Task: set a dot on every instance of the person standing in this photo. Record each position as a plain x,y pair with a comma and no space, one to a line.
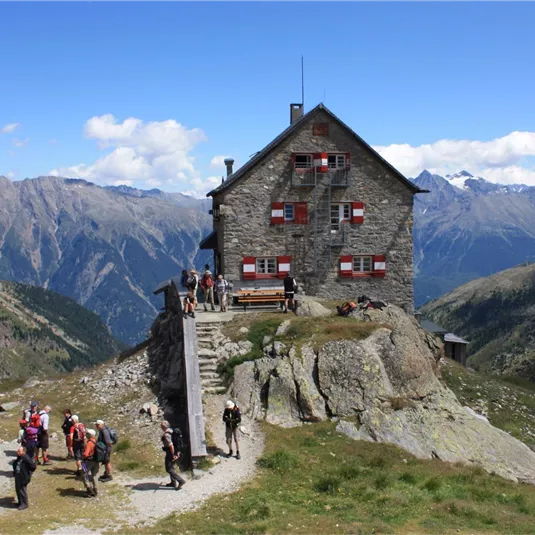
222,288
34,409
77,433
193,285
207,285
232,419
290,286
171,457
23,467
90,465
66,427
184,279
105,437
44,420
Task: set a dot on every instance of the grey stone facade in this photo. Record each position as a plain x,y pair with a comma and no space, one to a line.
244,224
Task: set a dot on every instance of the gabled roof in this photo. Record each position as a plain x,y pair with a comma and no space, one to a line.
450,337
432,327
259,156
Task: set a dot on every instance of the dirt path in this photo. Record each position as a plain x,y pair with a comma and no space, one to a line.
7,454
149,501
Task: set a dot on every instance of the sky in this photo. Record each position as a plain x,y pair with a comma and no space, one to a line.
158,94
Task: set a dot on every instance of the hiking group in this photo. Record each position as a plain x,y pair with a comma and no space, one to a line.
220,288
210,287
89,448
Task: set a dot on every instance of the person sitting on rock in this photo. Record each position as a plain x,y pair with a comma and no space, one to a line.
189,305
232,419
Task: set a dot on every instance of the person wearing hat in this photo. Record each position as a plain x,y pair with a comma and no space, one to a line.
104,436
171,457
89,466
34,409
232,419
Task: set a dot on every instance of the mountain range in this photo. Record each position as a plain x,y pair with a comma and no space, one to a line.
105,247
467,227
495,314
43,331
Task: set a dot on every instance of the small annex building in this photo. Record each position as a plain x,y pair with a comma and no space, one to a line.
321,203
454,346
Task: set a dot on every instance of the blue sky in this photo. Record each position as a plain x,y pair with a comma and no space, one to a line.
437,85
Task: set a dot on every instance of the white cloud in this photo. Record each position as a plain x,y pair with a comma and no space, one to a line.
200,187
20,142
143,152
218,161
498,160
8,128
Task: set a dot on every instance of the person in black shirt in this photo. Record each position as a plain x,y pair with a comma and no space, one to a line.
290,287
66,426
23,466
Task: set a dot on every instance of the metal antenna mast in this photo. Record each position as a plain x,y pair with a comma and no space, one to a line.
302,83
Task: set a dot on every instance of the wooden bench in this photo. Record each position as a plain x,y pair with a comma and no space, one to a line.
245,297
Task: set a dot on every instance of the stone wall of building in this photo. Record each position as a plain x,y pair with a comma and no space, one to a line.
245,226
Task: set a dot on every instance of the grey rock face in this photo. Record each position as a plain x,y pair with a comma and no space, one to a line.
312,308
382,389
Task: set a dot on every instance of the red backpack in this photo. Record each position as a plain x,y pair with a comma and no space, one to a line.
79,432
35,420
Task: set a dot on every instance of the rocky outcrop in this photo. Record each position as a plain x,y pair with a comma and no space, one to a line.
308,307
382,389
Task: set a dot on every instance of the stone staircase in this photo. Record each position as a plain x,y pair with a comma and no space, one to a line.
207,340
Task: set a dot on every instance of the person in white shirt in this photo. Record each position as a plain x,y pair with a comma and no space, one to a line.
43,436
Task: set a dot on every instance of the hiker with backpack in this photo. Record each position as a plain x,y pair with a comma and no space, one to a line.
232,419
108,437
66,427
23,467
172,444
222,289
207,285
30,437
77,434
184,279
43,442
90,463
193,283
28,413
290,287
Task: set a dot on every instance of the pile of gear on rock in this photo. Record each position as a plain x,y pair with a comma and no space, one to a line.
363,303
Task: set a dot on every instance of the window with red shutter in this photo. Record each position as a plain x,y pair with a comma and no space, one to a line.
301,213
379,265
277,213
249,267
283,266
357,212
346,266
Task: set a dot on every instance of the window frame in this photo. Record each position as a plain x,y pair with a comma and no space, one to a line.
290,205
361,259
337,156
309,163
266,260
342,207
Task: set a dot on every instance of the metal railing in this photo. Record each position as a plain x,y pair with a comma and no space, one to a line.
309,177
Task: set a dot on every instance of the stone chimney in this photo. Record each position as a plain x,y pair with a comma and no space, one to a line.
418,317
229,162
296,112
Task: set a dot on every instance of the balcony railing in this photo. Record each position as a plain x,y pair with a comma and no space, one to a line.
338,237
308,177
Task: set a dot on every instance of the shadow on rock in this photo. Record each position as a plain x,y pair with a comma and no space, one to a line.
6,473
8,502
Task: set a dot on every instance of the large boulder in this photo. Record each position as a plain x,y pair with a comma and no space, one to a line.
384,388
307,307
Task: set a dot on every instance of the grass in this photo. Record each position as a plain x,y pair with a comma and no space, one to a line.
302,330
510,402
312,480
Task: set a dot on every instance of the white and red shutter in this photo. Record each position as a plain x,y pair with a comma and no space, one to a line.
321,162
357,212
249,267
379,265
301,213
348,160
283,266
346,266
277,213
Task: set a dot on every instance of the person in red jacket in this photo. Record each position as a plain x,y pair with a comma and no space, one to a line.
207,285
